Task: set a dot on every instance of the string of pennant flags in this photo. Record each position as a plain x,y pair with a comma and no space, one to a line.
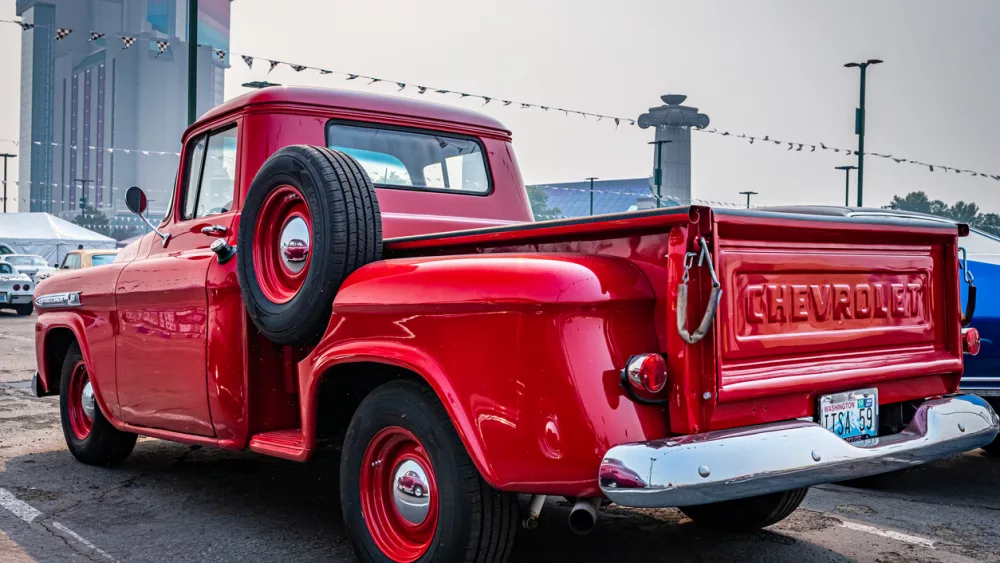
249,60
809,147
104,149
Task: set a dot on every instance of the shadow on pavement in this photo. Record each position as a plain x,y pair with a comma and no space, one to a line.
178,503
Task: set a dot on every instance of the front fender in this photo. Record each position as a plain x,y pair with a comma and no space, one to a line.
97,355
523,350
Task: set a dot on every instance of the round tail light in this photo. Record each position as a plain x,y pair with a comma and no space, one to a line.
647,372
17,287
970,341
27,287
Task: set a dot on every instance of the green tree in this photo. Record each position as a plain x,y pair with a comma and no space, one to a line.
539,201
918,202
963,212
94,220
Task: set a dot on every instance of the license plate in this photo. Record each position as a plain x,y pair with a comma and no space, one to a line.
3,297
852,415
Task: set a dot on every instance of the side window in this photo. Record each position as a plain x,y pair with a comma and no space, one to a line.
6,268
210,175
192,177
71,262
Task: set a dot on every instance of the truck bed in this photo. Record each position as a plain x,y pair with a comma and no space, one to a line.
811,304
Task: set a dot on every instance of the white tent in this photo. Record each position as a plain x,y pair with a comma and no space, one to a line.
47,235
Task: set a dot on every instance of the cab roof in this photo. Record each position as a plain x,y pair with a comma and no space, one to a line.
348,99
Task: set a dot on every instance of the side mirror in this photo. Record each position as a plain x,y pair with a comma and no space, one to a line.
135,200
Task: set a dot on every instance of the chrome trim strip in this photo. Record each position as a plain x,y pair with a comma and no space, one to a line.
57,300
757,460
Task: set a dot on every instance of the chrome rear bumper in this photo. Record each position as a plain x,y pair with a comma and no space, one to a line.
744,462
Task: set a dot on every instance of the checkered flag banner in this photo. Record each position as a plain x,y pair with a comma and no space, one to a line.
273,64
248,60
94,36
62,33
127,42
220,54
162,46
25,26
299,68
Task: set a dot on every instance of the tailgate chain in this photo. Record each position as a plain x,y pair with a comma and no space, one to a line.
682,295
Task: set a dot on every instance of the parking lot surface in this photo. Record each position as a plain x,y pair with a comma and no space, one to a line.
171,502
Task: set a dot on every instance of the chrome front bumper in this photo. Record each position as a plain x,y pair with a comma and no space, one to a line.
745,462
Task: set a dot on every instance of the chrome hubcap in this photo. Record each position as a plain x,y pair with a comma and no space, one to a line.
87,400
294,244
412,491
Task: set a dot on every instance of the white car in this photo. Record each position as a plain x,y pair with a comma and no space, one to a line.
29,264
16,290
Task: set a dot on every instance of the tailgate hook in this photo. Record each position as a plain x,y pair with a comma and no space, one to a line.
970,302
704,258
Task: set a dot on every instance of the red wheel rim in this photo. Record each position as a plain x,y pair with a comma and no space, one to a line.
281,269
399,495
79,421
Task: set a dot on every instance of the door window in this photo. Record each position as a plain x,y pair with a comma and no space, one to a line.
210,175
71,262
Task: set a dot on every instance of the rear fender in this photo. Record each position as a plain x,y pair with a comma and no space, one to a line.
524,351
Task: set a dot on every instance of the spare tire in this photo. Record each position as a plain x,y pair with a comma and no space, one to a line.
309,220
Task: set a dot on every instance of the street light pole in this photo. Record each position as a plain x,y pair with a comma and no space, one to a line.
192,60
84,190
847,183
5,156
859,124
657,171
748,194
591,193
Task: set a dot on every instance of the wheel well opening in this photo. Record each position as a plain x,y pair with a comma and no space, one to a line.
341,392
57,343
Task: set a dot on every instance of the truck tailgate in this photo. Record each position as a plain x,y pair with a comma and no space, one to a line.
819,305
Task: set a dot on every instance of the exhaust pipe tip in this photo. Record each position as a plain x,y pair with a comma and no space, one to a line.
583,515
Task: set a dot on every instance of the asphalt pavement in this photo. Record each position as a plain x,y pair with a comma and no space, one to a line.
171,502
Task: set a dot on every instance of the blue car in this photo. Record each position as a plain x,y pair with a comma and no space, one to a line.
982,372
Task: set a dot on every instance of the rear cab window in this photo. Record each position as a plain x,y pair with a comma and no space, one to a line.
102,259
414,159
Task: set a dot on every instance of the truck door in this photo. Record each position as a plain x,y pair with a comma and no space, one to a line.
162,299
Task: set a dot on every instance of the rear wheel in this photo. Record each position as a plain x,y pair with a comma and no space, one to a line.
89,436
409,491
310,219
746,513
24,310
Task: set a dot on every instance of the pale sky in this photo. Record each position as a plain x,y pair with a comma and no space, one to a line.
761,68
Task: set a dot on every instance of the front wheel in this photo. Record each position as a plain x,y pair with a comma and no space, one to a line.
746,513
89,436
400,431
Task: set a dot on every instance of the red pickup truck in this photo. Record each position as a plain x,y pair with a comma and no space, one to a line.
362,272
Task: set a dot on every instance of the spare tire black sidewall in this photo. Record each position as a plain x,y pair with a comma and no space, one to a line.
330,199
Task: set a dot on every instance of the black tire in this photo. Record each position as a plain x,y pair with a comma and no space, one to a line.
746,513
347,234
24,310
105,445
475,521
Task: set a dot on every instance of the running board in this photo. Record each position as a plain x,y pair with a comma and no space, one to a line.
286,444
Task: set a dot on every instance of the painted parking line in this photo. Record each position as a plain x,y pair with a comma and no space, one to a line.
18,508
29,514
890,534
80,539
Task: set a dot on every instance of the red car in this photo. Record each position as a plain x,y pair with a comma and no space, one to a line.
410,483
688,356
296,250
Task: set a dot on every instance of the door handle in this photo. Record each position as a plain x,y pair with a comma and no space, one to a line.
214,230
